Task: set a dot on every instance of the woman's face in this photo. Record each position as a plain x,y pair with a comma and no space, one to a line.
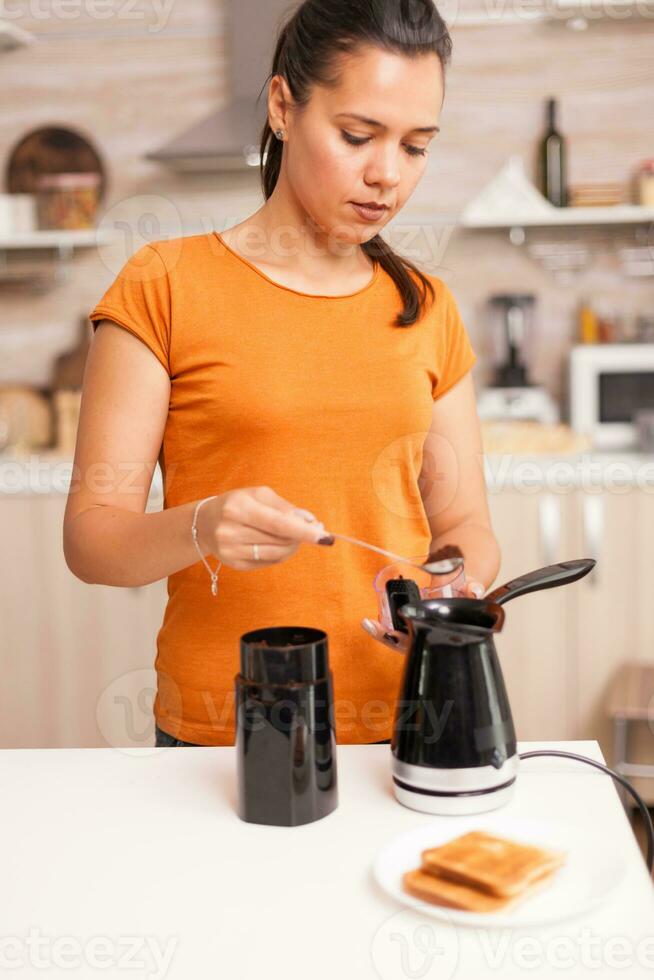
332,158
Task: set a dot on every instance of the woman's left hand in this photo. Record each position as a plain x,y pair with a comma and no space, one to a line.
395,639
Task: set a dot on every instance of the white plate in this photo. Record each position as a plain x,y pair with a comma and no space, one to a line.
590,874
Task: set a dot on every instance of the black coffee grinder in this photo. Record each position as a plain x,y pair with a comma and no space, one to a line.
285,743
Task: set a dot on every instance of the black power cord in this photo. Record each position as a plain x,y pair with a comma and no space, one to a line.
619,779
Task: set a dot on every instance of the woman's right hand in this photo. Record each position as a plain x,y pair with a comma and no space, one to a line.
231,523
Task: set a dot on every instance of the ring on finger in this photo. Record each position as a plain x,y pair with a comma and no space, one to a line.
255,552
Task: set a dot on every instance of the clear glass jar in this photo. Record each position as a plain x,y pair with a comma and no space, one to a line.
67,201
646,184
430,586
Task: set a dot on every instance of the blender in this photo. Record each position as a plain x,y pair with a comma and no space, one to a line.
512,395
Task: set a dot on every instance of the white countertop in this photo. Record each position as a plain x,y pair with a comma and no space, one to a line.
46,472
144,846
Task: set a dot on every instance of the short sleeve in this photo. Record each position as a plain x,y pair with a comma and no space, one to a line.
455,355
139,301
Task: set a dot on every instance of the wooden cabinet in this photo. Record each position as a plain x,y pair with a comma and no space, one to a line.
534,645
68,648
561,649
77,661
28,702
605,634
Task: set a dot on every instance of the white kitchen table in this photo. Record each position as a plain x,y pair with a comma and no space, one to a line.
134,863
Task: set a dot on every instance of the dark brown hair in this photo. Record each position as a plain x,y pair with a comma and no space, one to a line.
308,46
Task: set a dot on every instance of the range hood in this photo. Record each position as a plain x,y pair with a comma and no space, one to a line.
228,139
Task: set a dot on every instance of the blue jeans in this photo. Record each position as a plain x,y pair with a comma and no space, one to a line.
164,739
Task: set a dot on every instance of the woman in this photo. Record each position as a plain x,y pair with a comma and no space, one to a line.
294,377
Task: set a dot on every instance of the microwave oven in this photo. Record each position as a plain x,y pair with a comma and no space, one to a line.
609,383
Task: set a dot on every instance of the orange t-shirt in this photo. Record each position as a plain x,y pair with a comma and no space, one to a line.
321,398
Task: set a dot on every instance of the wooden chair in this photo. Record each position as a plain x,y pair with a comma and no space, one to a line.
632,700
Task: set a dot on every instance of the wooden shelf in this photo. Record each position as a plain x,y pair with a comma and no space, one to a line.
85,238
620,214
558,7
57,249
625,214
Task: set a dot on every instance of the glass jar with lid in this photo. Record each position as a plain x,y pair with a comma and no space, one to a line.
67,200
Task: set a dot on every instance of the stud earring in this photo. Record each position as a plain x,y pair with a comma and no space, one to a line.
279,133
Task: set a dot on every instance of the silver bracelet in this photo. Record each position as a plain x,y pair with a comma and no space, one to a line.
194,532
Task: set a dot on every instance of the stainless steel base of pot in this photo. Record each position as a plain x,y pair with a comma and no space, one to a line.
454,792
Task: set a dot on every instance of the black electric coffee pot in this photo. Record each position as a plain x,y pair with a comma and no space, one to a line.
454,744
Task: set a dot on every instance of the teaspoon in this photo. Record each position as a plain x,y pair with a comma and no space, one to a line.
442,562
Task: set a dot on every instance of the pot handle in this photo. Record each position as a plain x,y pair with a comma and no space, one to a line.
542,578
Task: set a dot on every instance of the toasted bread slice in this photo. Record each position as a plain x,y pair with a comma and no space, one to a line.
500,867
441,891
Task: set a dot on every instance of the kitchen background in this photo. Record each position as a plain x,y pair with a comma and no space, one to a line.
118,82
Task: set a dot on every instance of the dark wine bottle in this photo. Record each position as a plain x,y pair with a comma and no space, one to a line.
552,159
